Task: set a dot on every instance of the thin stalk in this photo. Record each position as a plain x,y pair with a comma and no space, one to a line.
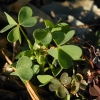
32,90
28,41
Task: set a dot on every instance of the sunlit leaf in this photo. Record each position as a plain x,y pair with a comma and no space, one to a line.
24,61
44,78
7,28
25,17
13,35
29,22
74,51
25,73
14,73
64,59
36,69
24,13
56,29
53,52
48,23
47,39
11,21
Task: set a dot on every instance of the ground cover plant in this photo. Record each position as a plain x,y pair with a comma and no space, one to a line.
53,63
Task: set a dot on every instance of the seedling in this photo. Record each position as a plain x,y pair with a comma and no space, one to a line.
52,44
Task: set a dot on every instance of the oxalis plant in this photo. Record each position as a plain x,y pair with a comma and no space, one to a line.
51,55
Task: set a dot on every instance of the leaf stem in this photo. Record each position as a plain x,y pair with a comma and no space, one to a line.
28,41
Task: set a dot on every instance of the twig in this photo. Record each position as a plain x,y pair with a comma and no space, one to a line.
14,48
6,57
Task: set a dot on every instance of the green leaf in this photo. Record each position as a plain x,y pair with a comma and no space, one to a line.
47,39
56,29
48,24
74,51
7,28
25,73
25,17
68,36
36,69
40,34
24,14
67,97
58,37
55,71
29,22
44,78
14,73
65,80
13,35
55,81
11,21
64,59
27,53
78,77
62,92
64,27
53,87
53,52
24,61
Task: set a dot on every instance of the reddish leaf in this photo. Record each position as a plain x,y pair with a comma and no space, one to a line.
93,91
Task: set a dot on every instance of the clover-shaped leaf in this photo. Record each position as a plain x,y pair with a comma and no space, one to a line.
53,87
23,68
25,73
24,61
57,86
25,17
65,80
40,34
13,35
